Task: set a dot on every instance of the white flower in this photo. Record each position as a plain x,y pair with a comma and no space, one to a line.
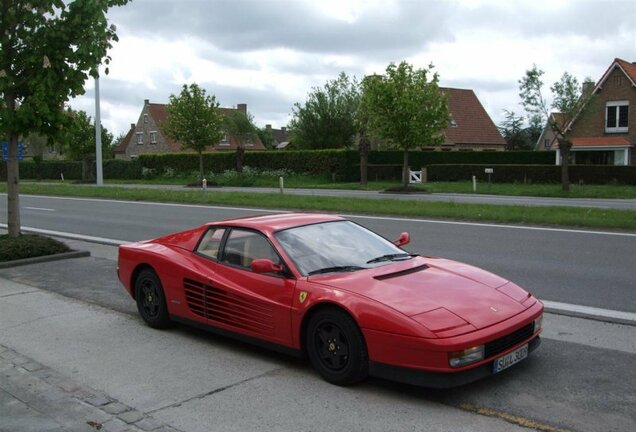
46,63
2,73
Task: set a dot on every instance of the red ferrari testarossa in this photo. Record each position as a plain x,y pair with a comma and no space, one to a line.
353,302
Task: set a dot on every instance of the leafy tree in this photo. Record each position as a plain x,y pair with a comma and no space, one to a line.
517,137
194,120
567,99
77,139
48,48
406,108
327,118
240,126
36,144
266,137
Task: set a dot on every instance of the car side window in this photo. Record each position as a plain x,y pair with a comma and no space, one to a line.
243,246
211,242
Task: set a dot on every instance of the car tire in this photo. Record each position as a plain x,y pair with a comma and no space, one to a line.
336,347
151,301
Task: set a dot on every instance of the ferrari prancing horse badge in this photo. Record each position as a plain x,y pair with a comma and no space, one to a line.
302,296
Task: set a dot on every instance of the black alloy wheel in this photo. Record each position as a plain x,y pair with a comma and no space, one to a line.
151,302
336,347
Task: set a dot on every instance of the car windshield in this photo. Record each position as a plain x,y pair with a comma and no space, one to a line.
339,246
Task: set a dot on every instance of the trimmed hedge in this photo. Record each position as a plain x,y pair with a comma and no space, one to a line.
418,159
586,174
343,165
72,170
335,162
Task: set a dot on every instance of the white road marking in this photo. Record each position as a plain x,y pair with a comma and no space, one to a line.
628,317
39,209
388,218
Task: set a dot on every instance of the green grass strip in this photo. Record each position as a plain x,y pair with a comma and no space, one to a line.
555,216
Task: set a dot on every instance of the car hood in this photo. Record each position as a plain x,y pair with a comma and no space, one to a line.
422,285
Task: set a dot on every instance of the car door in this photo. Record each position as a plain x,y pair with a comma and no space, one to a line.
237,299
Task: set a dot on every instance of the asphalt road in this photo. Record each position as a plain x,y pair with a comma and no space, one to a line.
595,269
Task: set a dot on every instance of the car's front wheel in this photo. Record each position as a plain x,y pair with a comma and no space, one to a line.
151,302
336,348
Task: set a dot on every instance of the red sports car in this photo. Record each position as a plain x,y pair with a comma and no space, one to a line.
353,302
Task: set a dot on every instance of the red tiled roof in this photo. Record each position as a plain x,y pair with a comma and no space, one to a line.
473,124
600,142
629,68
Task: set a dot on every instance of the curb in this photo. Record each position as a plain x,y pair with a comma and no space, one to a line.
45,258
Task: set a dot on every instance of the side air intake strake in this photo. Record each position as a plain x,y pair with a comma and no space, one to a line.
401,273
228,308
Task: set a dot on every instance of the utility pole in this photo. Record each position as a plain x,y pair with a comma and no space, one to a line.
98,137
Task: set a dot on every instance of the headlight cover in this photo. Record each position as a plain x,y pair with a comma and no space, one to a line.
465,357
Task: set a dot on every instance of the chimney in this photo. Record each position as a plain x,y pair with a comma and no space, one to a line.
132,125
588,87
146,101
268,127
242,108
283,129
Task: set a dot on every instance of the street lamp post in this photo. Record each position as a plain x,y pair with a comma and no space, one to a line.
98,137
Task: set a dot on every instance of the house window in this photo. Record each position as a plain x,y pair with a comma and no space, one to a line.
453,123
617,116
224,140
546,143
140,138
153,137
145,118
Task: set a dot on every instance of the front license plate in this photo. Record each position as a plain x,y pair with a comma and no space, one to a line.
509,359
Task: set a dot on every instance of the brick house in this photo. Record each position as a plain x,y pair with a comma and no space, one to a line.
470,128
146,135
280,136
605,133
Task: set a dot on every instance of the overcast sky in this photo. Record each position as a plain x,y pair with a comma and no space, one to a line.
270,53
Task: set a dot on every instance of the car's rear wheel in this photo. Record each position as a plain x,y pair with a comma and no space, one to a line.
336,347
151,302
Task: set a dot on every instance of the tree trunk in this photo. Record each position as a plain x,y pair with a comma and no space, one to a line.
240,156
405,170
89,169
13,179
200,167
363,148
564,147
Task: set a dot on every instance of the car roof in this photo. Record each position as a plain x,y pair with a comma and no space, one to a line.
279,221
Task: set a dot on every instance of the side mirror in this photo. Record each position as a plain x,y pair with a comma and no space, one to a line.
403,239
264,265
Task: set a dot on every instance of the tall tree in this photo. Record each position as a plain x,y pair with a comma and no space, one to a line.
240,126
516,135
567,99
327,118
77,138
48,48
194,120
266,137
406,108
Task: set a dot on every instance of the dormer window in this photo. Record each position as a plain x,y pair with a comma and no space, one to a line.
617,117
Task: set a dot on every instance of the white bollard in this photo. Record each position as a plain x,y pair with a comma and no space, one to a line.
474,184
204,185
62,177
281,185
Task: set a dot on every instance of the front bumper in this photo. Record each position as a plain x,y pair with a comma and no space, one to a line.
437,379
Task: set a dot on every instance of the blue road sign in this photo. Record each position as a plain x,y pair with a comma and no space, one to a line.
5,151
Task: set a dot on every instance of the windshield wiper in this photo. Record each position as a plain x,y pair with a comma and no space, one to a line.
392,257
335,269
